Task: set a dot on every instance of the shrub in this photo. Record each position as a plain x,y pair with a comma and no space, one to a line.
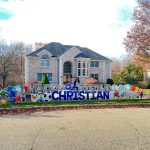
110,81
142,85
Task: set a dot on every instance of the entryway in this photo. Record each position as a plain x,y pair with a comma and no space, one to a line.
67,72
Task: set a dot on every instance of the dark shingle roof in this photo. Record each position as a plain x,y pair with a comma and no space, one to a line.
82,55
57,49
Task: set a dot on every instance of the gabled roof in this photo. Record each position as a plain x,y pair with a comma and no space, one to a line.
57,49
82,55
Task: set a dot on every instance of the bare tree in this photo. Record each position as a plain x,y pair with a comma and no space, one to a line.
11,62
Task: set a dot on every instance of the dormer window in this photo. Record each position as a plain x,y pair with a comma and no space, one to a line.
44,61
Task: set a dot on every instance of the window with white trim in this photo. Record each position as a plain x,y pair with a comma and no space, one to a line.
79,68
44,61
82,68
94,64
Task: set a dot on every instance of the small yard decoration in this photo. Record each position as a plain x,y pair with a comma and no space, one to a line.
26,89
18,98
45,79
3,102
3,92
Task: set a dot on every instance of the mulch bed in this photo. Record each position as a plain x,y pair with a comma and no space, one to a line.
28,110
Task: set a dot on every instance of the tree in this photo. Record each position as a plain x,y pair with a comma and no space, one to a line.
45,79
137,41
11,62
118,66
117,78
132,74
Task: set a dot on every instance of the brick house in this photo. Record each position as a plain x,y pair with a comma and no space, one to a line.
62,62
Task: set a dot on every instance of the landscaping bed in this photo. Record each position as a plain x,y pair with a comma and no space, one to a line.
30,107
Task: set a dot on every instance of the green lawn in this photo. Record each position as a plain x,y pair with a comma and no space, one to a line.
76,103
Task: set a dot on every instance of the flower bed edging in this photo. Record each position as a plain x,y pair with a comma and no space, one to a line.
28,110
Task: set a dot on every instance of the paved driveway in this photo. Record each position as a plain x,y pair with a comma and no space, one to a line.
99,129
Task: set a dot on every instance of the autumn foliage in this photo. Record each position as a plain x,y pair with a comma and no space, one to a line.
137,41
91,81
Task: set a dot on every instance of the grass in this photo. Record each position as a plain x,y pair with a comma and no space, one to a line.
76,103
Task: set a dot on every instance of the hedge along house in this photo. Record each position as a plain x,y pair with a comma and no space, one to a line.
62,62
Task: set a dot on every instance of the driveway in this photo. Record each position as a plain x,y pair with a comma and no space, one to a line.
98,129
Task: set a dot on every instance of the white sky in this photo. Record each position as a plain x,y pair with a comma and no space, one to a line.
97,24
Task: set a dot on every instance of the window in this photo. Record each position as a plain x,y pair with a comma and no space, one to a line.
94,64
44,62
83,64
79,72
79,64
39,76
49,75
87,73
83,72
95,76
82,68
79,68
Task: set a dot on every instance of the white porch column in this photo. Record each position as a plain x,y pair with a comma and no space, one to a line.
60,72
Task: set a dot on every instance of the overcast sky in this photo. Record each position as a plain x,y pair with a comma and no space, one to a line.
99,25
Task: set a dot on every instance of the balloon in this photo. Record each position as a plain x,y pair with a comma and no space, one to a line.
140,90
128,86
136,89
132,88
9,88
12,95
121,87
18,89
26,88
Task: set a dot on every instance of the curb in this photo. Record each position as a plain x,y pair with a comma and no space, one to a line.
28,110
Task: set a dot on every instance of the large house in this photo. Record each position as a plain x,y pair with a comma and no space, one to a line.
62,62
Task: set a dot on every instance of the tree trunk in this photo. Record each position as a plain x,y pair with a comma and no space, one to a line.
4,81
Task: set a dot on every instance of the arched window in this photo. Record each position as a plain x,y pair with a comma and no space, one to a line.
44,61
67,67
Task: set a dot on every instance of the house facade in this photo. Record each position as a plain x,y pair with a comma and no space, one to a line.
63,62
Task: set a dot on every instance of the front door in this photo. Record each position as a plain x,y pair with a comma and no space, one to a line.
67,72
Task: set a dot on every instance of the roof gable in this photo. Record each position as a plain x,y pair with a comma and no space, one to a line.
57,49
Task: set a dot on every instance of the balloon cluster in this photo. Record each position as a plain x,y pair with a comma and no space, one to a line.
129,90
13,94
